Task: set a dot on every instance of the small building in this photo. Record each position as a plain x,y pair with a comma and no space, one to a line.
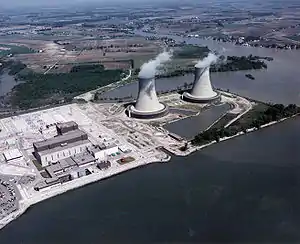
102,146
63,128
104,165
65,178
54,169
47,184
102,151
110,149
74,175
97,152
12,154
124,149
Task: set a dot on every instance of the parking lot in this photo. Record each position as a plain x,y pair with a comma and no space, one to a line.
8,198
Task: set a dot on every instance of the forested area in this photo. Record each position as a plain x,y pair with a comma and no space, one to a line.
42,89
258,118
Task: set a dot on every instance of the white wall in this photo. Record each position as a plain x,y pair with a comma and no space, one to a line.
111,150
100,155
64,153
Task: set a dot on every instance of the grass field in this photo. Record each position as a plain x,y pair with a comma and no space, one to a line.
224,121
248,117
13,49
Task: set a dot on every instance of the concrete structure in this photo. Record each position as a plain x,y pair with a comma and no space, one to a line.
147,104
47,184
12,154
63,128
60,167
61,147
124,149
104,165
83,159
102,151
202,91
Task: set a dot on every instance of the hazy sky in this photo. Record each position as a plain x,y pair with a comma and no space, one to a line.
11,3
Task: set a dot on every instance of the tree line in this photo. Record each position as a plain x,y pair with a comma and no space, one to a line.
41,89
274,112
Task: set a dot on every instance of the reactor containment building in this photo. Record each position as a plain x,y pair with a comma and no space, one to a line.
147,105
202,91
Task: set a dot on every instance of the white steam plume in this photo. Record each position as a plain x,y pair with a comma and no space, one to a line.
207,61
149,69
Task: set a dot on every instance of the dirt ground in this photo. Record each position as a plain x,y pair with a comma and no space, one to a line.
107,52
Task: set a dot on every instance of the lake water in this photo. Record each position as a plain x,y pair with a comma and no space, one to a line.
7,83
245,189
279,83
198,123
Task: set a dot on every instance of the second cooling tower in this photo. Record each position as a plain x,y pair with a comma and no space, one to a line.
202,91
147,105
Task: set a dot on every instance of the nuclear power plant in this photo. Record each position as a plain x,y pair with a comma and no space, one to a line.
202,91
147,105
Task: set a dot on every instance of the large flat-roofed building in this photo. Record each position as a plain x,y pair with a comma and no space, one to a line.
70,137
61,147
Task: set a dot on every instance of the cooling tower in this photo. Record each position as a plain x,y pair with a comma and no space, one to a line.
202,90
147,104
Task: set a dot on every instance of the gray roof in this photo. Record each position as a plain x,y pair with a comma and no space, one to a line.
95,149
110,146
51,181
102,146
68,124
60,148
67,162
82,159
59,166
69,137
55,167
47,182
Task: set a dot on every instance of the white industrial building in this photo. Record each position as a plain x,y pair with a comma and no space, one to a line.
147,104
12,154
102,152
124,149
202,91
61,147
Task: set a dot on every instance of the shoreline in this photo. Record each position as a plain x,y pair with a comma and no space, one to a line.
197,148
26,203
31,198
